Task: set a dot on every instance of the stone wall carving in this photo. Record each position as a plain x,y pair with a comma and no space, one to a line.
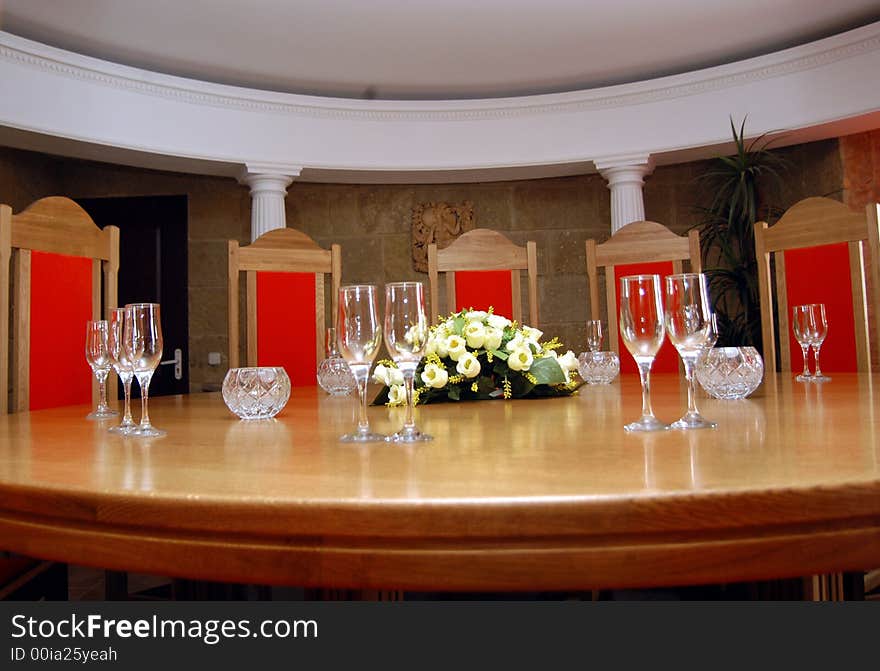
440,223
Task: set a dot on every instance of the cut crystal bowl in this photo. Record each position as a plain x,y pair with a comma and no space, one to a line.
598,367
256,393
730,372
335,376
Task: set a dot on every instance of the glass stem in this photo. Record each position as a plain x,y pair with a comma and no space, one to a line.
806,350
409,422
362,379
645,375
692,385
126,386
102,389
816,348
144,382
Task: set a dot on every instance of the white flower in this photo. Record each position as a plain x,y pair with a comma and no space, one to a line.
475,334
568,361
387,375
415,335
516,342
476,315
455,347
434,376
468,365
498,322
439,343
493,338
532,334
396,394
520,359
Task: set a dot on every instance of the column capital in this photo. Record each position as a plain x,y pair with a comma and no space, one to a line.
280,172
641,162
268,183
625,175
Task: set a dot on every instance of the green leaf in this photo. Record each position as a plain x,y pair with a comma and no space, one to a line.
458,325
454,393
547,371
499,354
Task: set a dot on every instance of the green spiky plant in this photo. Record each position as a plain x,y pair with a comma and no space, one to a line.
737,183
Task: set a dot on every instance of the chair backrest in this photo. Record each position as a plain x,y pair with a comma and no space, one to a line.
483,268
285,271
642,247
59,257
824,246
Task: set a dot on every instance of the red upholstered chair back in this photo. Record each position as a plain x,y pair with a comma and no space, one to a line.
639,248
821,250
285,308
482,269
60,261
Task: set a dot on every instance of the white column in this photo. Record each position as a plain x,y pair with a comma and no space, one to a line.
626,177
268,182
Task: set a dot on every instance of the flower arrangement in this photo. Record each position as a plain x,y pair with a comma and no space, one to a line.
474,355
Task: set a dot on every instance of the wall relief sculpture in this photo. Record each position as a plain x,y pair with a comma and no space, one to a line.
440,223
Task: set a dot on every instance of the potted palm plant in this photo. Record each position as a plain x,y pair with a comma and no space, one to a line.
736,184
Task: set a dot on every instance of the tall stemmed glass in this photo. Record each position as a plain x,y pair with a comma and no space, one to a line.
143,347
642,330
818,333
359,335
121,364
406,332
689,325
594,335
800,324
98,357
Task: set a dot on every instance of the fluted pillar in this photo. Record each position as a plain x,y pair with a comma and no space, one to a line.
626,177
268,183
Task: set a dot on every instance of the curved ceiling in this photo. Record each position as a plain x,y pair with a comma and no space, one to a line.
399,49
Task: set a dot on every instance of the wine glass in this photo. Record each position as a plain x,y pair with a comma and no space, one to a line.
406,332
818,333
800,324
98,357
142,339
121,364
359,336
689,325
594,335
642,330
712,337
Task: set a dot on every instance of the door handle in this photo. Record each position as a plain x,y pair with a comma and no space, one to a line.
178,363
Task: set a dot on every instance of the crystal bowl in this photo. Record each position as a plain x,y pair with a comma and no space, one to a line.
598,367
256,393
730,372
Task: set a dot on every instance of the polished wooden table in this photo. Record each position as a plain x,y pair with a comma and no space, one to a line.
521,495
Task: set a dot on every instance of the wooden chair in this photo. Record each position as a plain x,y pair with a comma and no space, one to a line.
824,246
59,256
475,265
642,247
285,271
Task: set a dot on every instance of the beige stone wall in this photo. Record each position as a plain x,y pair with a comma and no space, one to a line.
372,223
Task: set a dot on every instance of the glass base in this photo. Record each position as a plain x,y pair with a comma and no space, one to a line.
693,421
408,436
820,378
646,423
805,378
146,432
363,437
106,413
123,429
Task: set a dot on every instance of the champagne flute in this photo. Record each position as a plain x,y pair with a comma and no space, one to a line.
143,347
818,333
594,335
359,336
98,357
642,330
121,364
800,324
689,325
406,332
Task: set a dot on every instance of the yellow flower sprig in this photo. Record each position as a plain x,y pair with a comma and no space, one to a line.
507,391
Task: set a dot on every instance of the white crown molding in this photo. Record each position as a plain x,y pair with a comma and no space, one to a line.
797,59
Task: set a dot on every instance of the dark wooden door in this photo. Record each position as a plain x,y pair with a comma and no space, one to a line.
153,268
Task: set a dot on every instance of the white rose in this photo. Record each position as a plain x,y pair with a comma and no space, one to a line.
531,334
468,365
476,315
434,376
395,376
475,334
568,361
381,375
520,359
493,338
516,342
498,322
397,395
431,346
455,347
439,344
